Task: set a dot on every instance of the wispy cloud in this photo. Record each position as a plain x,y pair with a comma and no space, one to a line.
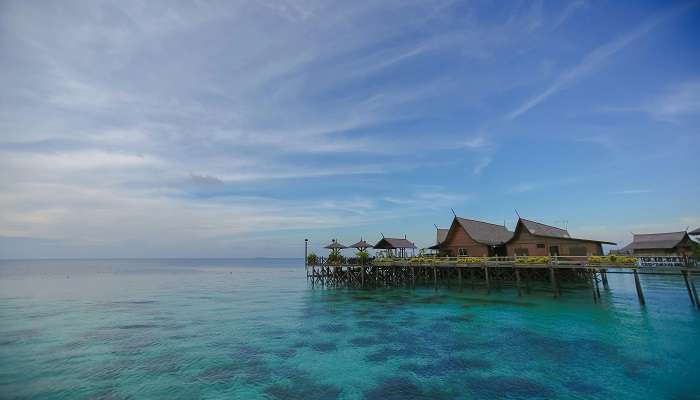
594,61
632,191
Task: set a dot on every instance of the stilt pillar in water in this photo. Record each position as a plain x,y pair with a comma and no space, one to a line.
553,278
692,288
604,277
517,282
435,277
597,287
638,285
687,286
591,279
459,277
488,282
471,277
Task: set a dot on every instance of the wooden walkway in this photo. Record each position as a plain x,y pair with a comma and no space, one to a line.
494,273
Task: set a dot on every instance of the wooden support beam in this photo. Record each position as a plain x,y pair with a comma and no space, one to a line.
517,282
692,287
638,285
597,287
488,282
553,279
435,277
590,279
604,276
687,286
459,277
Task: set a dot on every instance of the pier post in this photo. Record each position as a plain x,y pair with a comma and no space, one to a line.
638,285
488,282
604,277
517,282
435,277
459,277
687,286
597,287
692,287
471,277
553,278
590,278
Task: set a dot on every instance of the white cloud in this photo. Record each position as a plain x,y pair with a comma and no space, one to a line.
593,61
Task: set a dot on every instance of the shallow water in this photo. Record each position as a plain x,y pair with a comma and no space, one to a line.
254,329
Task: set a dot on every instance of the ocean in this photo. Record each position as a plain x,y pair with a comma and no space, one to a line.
255,329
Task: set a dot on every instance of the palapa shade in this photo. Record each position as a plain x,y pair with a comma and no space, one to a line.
361,245
335,245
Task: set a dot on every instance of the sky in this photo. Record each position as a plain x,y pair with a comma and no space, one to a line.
240,128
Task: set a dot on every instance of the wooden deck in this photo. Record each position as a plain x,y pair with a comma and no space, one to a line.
521,273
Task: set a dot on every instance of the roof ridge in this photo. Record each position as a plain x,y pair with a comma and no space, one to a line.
483,222
540,223
659,233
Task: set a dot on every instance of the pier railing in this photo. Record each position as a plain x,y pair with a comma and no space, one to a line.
573,261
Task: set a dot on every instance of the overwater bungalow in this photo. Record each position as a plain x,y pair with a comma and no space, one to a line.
532,238
395,246
677,244
468,237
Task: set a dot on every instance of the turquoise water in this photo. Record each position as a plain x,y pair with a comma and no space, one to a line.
251,329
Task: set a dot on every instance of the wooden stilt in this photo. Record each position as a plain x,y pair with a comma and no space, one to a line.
597,287
687,286
517,282
604,276
553,279
435,277
527,281
692,288
638,285
488,283
471,277
590,278
459,277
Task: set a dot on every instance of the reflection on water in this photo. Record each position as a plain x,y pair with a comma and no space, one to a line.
254,329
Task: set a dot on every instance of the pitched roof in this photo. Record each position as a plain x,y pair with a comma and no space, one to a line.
441,235
484,232
695,232
394,243
666,240
539,229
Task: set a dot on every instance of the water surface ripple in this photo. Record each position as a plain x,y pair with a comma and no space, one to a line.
254,329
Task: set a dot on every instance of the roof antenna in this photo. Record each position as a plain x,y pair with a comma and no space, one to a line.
453,212
516,213
382,235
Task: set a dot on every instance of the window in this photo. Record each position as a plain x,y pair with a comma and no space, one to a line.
540,245
463,253
522,252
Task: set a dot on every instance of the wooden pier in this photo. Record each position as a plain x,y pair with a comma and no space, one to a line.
495,273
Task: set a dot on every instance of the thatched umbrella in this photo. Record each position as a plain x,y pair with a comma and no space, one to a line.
361,245
335,248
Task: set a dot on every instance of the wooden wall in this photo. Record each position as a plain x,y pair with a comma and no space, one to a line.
458,238
567,247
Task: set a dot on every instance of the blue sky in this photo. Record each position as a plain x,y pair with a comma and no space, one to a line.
216,129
